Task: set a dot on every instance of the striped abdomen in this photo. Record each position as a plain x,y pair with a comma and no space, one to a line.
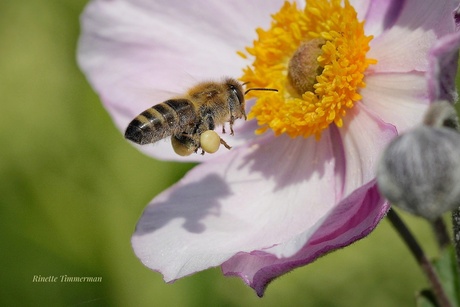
165,119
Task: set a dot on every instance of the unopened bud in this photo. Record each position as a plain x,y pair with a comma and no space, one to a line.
420,170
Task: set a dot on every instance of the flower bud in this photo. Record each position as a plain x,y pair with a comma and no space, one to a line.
420,170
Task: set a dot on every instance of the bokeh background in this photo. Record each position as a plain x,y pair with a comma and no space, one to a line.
72,189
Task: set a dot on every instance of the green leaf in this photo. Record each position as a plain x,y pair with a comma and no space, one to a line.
447,269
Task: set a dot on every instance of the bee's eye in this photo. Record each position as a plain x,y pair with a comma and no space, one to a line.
237,93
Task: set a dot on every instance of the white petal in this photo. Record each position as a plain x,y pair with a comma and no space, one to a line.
251,199
364,137
404,47
398,99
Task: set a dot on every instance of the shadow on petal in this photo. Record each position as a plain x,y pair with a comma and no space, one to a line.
392,14
162,211
290,161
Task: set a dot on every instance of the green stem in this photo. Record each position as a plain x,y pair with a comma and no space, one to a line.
456,234
440,232
421,258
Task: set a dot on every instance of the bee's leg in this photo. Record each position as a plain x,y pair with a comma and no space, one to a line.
225,144
232,120
223,128
207,120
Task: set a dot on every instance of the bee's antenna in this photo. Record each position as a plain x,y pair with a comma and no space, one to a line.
260,89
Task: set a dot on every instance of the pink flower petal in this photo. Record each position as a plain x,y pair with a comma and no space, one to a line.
381,15
355,217
364,136
443,60
404,47
397,98
250,199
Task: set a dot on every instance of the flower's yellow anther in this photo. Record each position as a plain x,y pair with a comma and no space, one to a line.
316,58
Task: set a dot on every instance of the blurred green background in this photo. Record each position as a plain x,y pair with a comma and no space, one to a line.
72,189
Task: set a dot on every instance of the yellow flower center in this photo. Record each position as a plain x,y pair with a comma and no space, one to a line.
316,58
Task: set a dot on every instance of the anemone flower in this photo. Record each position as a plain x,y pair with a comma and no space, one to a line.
299,181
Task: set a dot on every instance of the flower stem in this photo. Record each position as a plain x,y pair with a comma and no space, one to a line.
421,258
456,235
440,232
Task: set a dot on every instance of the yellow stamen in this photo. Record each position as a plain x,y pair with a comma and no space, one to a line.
281,56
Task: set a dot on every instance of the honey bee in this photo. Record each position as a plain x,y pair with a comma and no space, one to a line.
186,118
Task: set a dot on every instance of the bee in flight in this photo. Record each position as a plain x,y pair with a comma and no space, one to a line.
190,120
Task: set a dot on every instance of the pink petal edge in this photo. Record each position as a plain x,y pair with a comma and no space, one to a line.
443,62
258,269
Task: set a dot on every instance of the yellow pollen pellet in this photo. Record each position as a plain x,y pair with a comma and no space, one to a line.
210,141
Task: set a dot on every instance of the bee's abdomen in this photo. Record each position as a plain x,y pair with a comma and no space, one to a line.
162,120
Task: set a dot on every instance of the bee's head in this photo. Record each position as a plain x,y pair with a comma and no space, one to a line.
236,98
